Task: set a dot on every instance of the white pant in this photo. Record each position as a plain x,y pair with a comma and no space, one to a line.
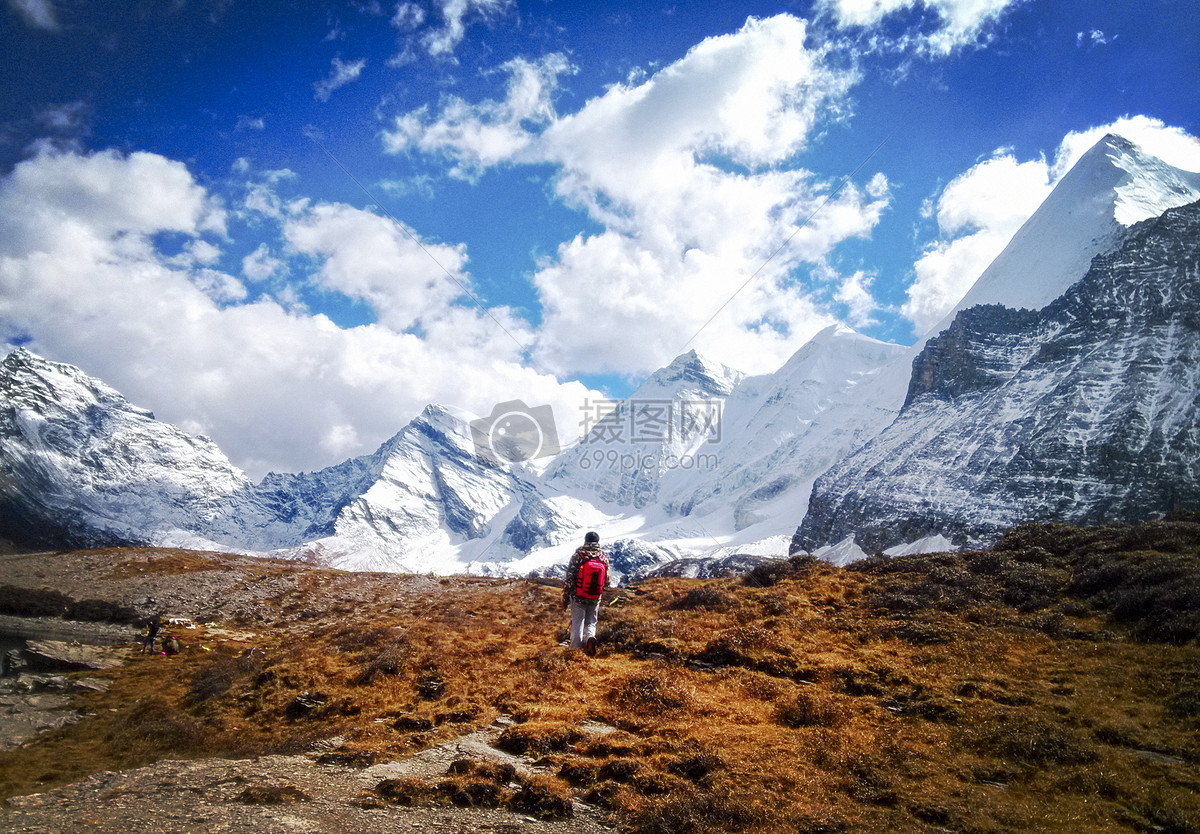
584,614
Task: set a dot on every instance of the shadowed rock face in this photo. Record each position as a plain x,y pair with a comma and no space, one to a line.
1086,411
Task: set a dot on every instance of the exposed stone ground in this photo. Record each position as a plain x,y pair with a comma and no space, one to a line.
235,590
274,795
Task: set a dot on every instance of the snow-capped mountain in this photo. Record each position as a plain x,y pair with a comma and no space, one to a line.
638,448
702,460
1111,187
1085,411
81,466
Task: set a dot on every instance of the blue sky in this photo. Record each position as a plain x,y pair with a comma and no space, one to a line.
602,178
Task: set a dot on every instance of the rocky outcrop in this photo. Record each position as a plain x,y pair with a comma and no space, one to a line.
53,656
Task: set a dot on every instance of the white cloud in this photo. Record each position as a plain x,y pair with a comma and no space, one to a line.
260,264
250,123
960,22
982,208
203,252
39,14
71,117
455,16
408,16
855,293
479,136
1092,37
64,194
341,74
368,258
84,281
692,173
977,214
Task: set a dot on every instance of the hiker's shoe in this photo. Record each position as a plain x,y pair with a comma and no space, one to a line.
590,647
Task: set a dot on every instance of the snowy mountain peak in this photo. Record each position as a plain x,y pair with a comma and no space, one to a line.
1113,185
82,466
690,374
28,380
1150,186
836,353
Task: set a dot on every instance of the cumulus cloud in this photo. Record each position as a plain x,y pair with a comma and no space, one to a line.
368,258
250,123
981,209
855,292
260,264
67,195
341,74
478,136
958,22
977,214
39,14
82,280
692,173
1092,37
71,117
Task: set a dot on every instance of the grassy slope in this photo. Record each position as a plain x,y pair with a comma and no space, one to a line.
1052,684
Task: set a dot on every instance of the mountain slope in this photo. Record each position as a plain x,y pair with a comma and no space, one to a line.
1086,411
80,465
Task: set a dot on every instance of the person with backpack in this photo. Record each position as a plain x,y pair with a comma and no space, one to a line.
587,576
153,625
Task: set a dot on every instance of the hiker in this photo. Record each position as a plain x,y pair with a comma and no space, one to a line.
587,576
152,628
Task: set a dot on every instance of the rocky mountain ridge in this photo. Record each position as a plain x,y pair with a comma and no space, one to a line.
1083,412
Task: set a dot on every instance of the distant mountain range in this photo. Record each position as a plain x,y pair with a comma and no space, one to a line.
1063,387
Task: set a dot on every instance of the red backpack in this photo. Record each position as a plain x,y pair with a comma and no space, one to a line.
593,575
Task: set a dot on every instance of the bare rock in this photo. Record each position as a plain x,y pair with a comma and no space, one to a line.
55,656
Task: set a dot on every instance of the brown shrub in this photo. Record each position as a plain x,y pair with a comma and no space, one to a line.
408,792
696,767
694,811
156,725
708,597
272,795
740,646
651,692
101,611
578,772
545,798
32,602
813,708
391,660
220,674
538,737
1031,740
619,770
473,793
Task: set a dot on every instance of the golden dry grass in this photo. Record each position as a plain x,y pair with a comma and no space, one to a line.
1014,690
